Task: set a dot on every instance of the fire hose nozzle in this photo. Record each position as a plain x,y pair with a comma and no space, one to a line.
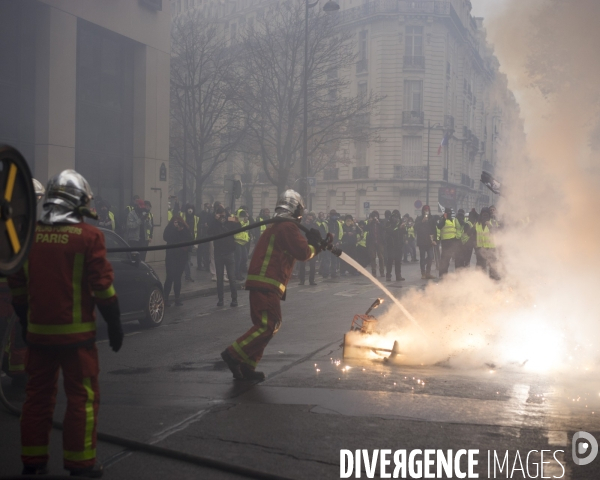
335,251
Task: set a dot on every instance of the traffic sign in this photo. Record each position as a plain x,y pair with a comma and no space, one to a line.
312,184
367,205
418,204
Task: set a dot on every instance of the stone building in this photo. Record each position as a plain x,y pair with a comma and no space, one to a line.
85,85
446,109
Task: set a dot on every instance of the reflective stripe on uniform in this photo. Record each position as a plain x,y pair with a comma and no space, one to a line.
89,415
312,251
79,456
263,269
34,451
77,278
238,346
270,281
104,294
61,329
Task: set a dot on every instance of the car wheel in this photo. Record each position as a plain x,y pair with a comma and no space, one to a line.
155,308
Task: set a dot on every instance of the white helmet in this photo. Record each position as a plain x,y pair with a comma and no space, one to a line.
66,194
290,204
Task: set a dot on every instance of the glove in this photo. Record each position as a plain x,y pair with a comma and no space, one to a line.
112,315
314,239
21,312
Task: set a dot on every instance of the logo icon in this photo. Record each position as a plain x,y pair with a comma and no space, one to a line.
585,445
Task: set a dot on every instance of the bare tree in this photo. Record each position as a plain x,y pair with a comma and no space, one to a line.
272,68
206,126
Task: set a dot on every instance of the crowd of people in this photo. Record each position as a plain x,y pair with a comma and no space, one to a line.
383,244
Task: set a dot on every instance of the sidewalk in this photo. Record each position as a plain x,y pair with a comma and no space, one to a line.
202,286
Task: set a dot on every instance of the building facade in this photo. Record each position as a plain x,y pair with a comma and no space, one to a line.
86,86
446,109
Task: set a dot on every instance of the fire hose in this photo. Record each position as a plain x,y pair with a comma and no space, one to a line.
326,243
133,445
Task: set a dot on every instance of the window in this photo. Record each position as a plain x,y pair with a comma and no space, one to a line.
361,153
414,41
362,45
112,241
362,89
413,95
412,149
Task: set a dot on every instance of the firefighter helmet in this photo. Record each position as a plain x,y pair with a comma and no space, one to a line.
290,203
66,194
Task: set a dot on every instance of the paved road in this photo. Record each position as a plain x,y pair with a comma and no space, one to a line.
168,386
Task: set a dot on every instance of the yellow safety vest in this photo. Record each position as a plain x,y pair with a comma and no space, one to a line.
449,230
111,215
484,237
410,232
169,215
262,227
464,237
244,237
362,239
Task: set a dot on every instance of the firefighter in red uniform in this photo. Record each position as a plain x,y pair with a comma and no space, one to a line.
271,267
13,362
54,295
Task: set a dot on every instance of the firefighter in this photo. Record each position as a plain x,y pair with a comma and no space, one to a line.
270,270
54,295
449,234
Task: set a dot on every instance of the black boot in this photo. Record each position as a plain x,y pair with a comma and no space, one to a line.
95,471
251,374
233,365
35,470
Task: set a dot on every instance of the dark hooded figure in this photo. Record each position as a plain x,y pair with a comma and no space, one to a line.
193,222
349,240
426,240
376,243
395,233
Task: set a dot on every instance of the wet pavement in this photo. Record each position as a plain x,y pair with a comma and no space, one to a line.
168,386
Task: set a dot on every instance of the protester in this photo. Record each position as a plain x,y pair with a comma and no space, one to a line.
136,230
395,232
203,254
349,240
106,218
362,256
426,232
309,222
376,243
241,242
450,232
485,248
176,231
410,242
193,221
330,264
149,229
224,253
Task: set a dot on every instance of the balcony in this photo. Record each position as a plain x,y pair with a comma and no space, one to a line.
362,66
359,173
331,174
449,123
412,118
410,172
416,62
379,7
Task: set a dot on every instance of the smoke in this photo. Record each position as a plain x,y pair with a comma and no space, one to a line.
545,311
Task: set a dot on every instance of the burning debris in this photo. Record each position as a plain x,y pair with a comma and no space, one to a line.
365,326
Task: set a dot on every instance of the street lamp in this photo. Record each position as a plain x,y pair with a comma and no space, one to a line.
330,7
429,128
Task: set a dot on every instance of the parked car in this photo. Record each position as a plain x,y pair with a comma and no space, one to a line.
138,287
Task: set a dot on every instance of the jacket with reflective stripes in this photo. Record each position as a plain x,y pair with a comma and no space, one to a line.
274,256
66,275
